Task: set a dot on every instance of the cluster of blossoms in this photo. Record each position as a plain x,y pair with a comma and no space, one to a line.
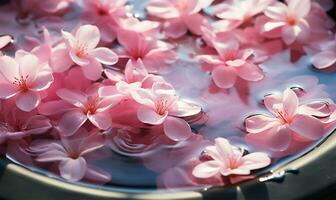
78,86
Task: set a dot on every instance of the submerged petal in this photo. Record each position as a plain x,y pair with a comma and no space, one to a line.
176,129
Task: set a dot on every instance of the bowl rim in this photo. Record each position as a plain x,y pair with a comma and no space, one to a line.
277,184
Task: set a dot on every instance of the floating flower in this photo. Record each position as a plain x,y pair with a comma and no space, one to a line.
86,107
288,119
156,55
105,14
160,105
84,52
135,73
70,154
230,63
180,15
228,160
24,77
289,20
16,124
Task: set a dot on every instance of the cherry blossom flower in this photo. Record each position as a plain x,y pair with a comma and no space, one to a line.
231,63
236,12
70,154
179,15
289,20
126,83
229,160
160,105
105,14
83,106
84,52
156,55
288,118
16,124
24,77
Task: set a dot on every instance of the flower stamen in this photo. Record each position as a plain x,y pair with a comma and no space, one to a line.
21,82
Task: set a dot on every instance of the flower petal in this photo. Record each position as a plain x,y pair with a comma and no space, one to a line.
175,28
224,148
250,72
101,120
277,11
149,116
88,35
290,102
290,33
276,139
42,81
7,91
104,55
93,70
163,9
307,126
324,59
273,103
300,7
255,160
29,66
259,123
75,98
207,169
317,109
143,97
279,138
224,77
71,122
9,68
185,109
268,26
176,129
73,169
4,40
28,101
52,156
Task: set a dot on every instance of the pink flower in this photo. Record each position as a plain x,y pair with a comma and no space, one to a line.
5,40
16,124
24,77
135,73
83,107
180,15
289,20
289,118
156,55
327,56
231,63
160,105
83,51
237,12
229,160
70,154
106,15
